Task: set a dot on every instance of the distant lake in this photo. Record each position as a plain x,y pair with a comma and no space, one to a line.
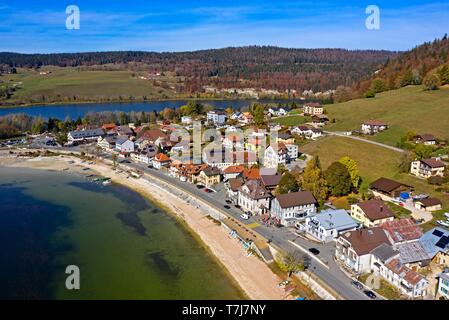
125,246
79,110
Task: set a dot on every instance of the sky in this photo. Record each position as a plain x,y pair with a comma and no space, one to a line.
28,26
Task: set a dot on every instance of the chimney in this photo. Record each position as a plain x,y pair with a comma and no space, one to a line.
381,208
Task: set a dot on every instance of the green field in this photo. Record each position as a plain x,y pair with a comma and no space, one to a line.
65,83
295,120
373,161
407,109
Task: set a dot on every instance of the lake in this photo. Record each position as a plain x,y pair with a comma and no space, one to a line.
79,110
125,246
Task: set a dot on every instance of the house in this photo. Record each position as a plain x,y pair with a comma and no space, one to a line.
233,142
426,139
223,160
320,119
125,131
154,136
308,132
107,143
87,135
414,254
371,213
353,248
124,145
277,112
443,285
209,176
186,171
426,168
236,116
270,181
436,244
251,174
109,128
275,156
254,198
428,204
313,108
232,172
387,188
285,137
217,117
373,126
403,278
293,207
145,156
161,160
233,186
186,120
246,118
255,144
329,224
400,231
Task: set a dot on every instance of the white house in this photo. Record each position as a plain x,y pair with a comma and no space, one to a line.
284,154
293,207
88,135
373,126
277,112
443,285
329,224
254,198
308,132
161,160
313,109
186,120
217,117
426,168
107,143
124,145
353,248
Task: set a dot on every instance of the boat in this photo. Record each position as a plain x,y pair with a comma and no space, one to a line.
106,182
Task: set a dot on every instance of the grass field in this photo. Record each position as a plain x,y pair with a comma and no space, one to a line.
65,83
373,161
406,109
294,120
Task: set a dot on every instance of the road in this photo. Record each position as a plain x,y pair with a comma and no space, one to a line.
340,134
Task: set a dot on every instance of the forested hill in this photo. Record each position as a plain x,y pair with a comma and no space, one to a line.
411,68
255,66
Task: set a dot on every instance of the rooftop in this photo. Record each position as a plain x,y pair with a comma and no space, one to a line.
403,272
384,252
386,185
365,240
335,219
400,230
295,199
433,163
375,209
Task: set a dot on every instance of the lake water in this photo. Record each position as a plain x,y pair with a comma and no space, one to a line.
79,110
125,247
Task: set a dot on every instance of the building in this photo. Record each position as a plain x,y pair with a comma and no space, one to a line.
426,168
329,224
312,109
125,131
209,176
217,117
251,174
107,143
308,132
233,186
436,244
270,181
161,160
443,285
186,120
387,188
353,248
277,112
371,213
254,198
233,172
373,126
223,160
145,156
285,137
233,142
293,207
124,145
275,156
428,204
407,281
400,231
87,135
320,119
426,139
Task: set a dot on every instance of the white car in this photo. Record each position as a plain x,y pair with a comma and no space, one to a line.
443,223
446,214
244,216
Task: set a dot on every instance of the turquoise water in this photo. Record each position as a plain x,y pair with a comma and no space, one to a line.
124,246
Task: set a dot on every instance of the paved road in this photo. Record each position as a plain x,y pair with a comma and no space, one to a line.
340,134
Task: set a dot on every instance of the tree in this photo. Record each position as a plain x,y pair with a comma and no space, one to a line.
313,180
288,183
38,125
258,113
423,152
342,94
290,263
61,138
353,169
443,74
114,160
405,161
431,82
378,85
338,179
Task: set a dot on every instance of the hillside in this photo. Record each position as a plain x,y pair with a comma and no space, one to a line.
259,67
406,109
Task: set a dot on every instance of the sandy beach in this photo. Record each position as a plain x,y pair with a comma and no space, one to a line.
253,276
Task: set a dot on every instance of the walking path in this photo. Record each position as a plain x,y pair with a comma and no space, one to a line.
340,134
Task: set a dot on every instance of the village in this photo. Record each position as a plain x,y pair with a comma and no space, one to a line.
254,176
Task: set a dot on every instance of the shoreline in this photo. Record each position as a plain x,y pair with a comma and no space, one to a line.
252,276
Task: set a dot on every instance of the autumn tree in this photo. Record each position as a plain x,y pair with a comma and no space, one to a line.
313,180
431,82
353,169
338,179
288,183
290,263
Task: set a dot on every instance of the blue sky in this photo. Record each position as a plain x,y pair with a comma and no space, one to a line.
181,25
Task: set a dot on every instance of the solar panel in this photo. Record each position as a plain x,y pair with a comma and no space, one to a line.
442,243
437,233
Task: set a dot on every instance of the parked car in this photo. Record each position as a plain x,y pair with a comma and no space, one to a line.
244,216
446,214
443,223
199,186
227,207
228,201
357,284
314,251
207,190
237,206
370,294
